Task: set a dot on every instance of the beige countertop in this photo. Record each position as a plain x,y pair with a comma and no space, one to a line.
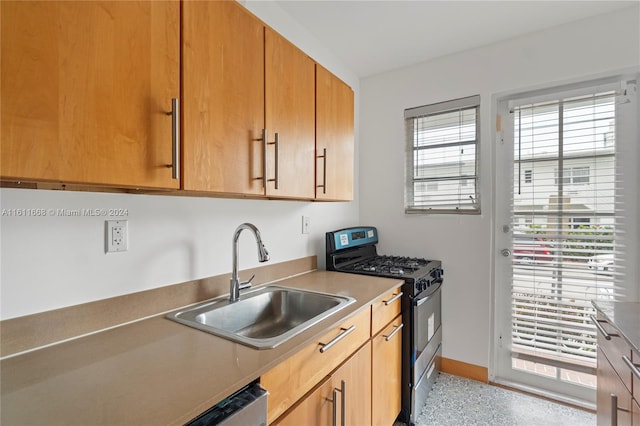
625,317
155,371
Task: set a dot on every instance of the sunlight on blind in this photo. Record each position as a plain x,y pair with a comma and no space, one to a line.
564,226
442,158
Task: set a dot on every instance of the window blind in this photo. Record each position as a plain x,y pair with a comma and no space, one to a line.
442,160
564,227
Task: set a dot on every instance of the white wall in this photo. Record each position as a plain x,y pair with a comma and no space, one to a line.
595,47
52,262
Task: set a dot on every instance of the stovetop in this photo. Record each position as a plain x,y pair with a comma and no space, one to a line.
389,265
353,250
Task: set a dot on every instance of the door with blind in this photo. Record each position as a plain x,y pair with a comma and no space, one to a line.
558,237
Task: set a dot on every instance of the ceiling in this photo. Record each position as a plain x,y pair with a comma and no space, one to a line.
372,37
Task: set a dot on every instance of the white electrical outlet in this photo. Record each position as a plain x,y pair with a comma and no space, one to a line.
306,224
116,237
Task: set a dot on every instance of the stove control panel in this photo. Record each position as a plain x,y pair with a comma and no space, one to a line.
351,238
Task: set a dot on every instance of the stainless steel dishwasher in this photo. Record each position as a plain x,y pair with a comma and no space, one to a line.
246,407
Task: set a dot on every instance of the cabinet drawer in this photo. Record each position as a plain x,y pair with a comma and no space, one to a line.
614,349
290,380
385,309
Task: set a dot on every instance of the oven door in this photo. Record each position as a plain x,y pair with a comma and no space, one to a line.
426,318
427,348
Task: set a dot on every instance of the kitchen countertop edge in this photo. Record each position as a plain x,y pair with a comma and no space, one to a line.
625,317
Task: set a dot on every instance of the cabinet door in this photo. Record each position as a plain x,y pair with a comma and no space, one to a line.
346,394
353,379
86,87
334,137
290,114
387,374
609,384
315,409
223,98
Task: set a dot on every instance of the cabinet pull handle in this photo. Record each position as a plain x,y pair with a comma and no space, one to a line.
335,406
343,399
345,331
393,299
276,142
264,158
343,403
396,328
324,171
175,138
596,322
632,366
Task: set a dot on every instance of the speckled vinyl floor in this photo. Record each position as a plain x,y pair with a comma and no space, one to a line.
455,401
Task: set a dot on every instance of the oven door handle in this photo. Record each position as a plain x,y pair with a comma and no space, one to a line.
420,300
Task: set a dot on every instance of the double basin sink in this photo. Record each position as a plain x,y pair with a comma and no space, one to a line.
262,318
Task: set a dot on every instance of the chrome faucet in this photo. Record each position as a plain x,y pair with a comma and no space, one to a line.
263,255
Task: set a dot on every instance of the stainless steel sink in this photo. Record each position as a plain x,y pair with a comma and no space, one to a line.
263,318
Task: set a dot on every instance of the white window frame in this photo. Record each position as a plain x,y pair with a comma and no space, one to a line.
461,202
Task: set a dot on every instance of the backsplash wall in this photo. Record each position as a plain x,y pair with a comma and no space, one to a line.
55,260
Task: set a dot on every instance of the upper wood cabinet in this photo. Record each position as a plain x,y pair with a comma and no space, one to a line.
290,116
334,137
85,91
248,105
223,98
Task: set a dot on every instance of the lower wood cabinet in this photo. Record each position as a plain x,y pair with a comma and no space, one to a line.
351,376
613,398
618,375
386,374
341,399
291,380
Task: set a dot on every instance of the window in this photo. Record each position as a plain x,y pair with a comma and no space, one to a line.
442,157
572,175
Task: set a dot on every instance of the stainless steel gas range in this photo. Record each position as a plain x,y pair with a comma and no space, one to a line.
353,250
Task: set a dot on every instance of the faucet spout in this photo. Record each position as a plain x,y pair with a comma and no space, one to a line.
263,255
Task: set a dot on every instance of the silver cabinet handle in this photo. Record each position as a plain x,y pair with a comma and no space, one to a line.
324,171
596,322
394,332
343,403
633,367
264,158
175,138
393,299
345,332
276,142
343,399
265,143
335,406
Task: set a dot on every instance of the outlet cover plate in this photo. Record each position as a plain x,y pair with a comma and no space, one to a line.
116,236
